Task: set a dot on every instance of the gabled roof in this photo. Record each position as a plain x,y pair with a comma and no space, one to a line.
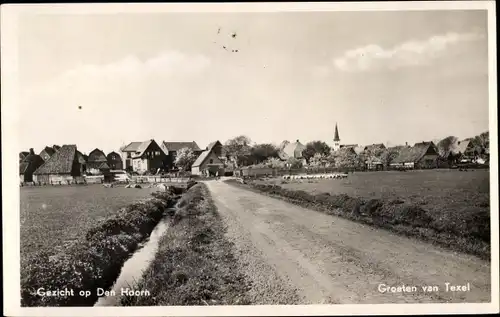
176,146
213,144
81,158
143,147
32,161
131,147
372,147
294,149
110,155
23,166
414,153
460,147
50,151
23,154
203,156
59,163
97,156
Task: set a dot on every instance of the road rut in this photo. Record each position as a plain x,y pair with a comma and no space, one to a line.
295,255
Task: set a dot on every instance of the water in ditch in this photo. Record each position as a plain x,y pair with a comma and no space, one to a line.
133,268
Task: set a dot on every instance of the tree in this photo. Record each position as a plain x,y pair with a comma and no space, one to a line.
275,163
185,159
263,152
238,149
345,158
388,155
446,145
318,160
294,163
315,147
481,142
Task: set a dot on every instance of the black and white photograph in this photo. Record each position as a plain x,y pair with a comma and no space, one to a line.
249,159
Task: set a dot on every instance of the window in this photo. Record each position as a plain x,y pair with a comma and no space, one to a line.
129,155
157,153
211,161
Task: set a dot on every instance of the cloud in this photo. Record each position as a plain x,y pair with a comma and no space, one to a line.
411,53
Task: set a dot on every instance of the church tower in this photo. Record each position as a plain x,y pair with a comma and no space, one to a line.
336,139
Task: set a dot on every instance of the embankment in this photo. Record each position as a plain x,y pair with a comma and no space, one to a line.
94,261
194,264
463,232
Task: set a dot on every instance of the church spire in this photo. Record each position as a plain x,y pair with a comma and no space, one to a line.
336,138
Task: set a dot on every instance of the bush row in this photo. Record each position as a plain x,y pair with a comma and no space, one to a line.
194,264
465,231
95,260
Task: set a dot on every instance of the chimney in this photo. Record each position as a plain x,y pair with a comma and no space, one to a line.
32,152
406,143
297,140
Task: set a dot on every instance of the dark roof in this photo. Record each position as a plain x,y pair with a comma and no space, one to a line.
212,144
132,147
23,154
176,146
336,137
32,161
59,163
372,147
97,156
118,157
82,159
414,153
56,147
50,151
23,166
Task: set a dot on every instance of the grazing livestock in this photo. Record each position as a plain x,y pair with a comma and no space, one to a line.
315,176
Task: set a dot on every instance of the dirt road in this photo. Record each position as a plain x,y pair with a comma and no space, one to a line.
298,256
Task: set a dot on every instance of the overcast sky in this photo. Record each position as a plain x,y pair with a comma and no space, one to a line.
382,76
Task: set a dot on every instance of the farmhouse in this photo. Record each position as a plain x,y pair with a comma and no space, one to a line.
465,151
209,162
97,163
30,163
47,152
149,157
373,156
292,150
171,149
421,155
22,155
127,152
62,166
114,161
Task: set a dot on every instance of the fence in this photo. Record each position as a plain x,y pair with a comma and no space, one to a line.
159,179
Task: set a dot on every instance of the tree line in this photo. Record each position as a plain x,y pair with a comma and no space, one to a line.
241,151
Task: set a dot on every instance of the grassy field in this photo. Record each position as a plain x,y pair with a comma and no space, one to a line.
104,235
446,207
440,191
54,215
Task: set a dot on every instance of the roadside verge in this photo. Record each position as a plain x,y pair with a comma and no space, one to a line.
194,264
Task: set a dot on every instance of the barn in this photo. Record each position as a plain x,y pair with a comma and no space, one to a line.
97,163
61,167
209,162
422,155
115,161
30,163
